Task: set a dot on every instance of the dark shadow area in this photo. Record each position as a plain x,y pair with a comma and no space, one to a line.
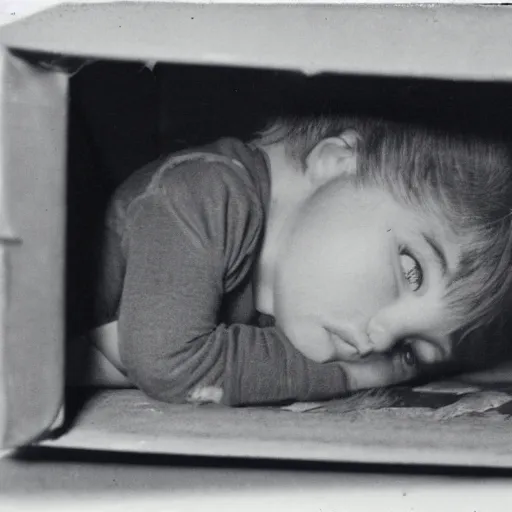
45,455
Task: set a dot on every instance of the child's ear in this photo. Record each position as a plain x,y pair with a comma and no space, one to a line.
333,157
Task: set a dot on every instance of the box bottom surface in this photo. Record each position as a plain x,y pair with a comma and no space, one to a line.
452,426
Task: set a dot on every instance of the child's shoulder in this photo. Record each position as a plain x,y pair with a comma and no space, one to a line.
226,163
227,169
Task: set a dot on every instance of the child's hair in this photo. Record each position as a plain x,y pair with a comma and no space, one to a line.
464,179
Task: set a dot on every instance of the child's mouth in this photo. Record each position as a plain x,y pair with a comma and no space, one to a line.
345,347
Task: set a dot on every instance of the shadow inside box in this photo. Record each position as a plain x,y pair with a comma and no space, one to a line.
76,399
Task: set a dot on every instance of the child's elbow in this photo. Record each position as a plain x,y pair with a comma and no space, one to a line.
170,380
169,388
175,390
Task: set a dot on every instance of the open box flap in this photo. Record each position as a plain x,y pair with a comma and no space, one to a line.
453,42
32,203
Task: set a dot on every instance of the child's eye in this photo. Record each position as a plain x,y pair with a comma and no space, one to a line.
412,270
408,355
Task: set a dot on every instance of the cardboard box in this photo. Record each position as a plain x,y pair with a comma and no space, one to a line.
230,55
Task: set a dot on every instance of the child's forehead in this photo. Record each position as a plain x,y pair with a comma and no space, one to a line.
419,215
430,209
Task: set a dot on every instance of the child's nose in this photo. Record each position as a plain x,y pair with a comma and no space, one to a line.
408,318
383,334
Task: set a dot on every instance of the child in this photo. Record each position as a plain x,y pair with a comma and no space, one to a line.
374,246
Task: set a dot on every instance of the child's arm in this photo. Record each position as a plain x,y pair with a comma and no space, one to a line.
378,371
180,260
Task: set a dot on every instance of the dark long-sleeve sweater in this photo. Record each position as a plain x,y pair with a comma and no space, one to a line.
181,241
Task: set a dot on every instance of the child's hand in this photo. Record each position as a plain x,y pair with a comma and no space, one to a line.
379,370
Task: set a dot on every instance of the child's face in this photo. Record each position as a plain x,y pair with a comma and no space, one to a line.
360,272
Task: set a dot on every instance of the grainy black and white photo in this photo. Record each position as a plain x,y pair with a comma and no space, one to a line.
255,255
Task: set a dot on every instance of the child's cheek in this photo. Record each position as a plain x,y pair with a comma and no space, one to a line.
311,340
